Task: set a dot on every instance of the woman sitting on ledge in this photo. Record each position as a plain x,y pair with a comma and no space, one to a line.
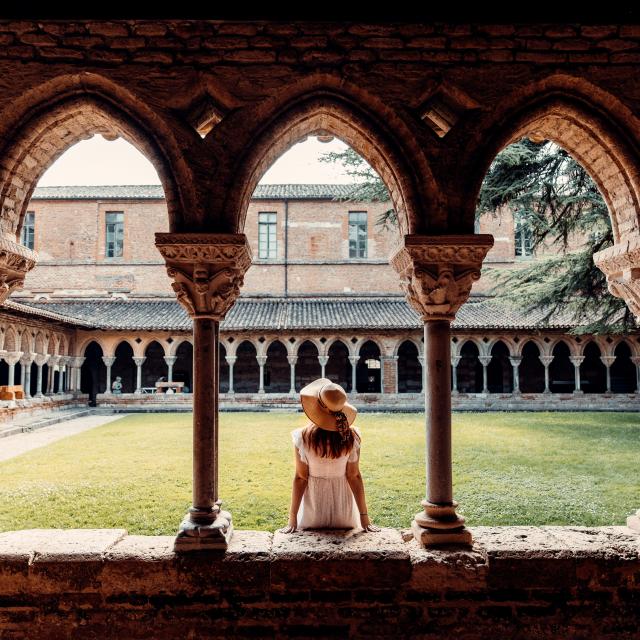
327,454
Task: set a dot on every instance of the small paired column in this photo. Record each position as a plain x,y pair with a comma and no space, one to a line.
546,361
108,362
323,364
455,361
25,372
636,361
139,361
608,361
354,362
40,361
62,366
576,361
12,358
79,362
292,368
231,360
437,273
170,361
207,272
515,363
484,361
262,360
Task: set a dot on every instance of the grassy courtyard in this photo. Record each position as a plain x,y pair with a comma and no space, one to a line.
522,468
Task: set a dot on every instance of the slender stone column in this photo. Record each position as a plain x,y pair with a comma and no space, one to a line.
139,361
79,362
484,361
515,363
262,360
12,358
576,361
61,373
48,383
636,361
437,273
354,361
455,361
207,272
424,373
292,367
323,363
231,360
25,373
170,360
608,361
546,361
40,361
108,362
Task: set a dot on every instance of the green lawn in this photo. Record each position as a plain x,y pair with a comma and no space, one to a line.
520,468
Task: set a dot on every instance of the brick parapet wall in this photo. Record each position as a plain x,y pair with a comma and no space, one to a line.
542,582
202,43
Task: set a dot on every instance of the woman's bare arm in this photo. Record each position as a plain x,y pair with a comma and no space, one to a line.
299,486
354,478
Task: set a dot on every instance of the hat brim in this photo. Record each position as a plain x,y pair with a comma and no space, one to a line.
316,413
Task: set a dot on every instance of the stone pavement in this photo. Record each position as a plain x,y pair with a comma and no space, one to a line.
13,446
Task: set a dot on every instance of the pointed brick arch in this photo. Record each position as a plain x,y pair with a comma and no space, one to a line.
45,122
399,161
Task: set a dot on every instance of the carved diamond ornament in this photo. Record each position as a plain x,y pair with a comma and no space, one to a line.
437,272
207,270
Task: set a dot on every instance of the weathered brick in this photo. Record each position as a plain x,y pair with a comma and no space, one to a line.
225,42
127,43
38,39
250,55
540,56
111,29
435,42
155,56
149,29
383,43
60,53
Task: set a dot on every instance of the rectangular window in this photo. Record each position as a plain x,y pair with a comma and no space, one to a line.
115,234
267,236
357,234
523,239
28,230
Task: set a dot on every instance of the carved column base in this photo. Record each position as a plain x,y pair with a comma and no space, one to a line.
204,530
633,522
439,524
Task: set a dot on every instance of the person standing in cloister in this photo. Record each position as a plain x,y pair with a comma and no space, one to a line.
328,492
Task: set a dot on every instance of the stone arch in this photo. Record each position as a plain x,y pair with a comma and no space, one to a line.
362,341
308,365
574,347
246,371
331,341
277,372
409,367
469,369
499,369
11,340
338,367
561,369
585,121
154,366
623,370
183,366
175,345
369,379
593,372
124,366
93,373
634,346
401,341
45,122
543,347
389,148
40,344
531,370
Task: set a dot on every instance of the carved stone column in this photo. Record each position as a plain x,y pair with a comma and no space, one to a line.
546,361
62,368
455,361
436,274
576,361
12,358
262,360
323,363
108,362
636,361
292,367
484,361
26,361
354,361
40,361
515,363
79,361
608,361
15,262
139,361
207,272
231,360
170,360
621,265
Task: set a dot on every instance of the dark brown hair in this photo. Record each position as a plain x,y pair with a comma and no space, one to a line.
328,444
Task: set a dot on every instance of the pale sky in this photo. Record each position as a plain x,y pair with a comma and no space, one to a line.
99,162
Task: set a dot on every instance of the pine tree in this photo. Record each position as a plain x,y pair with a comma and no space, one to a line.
558,206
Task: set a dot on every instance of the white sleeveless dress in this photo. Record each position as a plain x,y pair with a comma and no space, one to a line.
328,502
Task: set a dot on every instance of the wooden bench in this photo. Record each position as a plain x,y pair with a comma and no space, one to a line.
11,392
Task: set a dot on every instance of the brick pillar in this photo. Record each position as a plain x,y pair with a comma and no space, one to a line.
436,274
207,271
390,374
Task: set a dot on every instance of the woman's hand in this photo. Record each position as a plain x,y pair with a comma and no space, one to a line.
367,525
291,527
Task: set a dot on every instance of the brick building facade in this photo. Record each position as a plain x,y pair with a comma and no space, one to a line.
320,298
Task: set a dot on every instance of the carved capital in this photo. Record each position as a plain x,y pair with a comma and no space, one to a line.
621,265
15,262
437,272
207,269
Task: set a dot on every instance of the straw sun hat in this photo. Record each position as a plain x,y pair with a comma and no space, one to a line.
323,402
